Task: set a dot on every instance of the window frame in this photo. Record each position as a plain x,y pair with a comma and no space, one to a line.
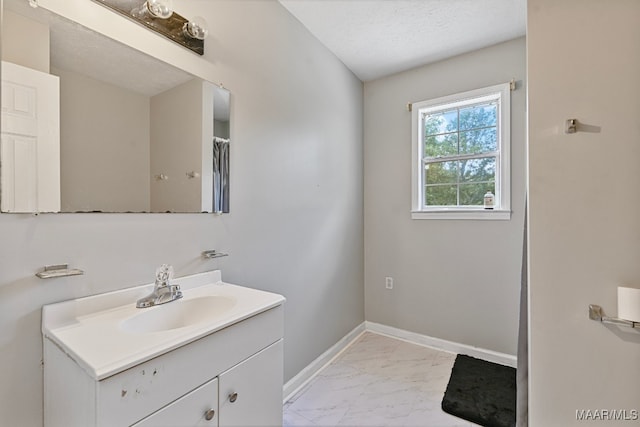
501,93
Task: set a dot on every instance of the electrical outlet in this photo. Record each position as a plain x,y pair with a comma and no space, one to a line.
388,282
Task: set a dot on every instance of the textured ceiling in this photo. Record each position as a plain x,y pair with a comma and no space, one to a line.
375,38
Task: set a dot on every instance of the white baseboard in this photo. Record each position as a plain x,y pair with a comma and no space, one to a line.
295,384
310,371
440,344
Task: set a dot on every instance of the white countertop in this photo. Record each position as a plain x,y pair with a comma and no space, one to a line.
90,329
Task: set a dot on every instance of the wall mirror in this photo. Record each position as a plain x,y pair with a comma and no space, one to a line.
92,125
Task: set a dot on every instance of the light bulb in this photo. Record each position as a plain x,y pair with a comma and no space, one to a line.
160,8
196,28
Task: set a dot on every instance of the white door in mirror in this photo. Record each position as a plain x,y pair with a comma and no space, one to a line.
30,148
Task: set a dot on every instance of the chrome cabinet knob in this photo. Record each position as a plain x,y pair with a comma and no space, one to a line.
233,397
209,414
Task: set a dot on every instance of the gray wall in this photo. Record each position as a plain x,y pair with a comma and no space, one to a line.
584,234
104,163
295,226
178,121
31,51
453,279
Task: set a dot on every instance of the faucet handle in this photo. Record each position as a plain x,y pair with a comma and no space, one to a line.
164,273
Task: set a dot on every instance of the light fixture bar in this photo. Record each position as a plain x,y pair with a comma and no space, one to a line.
172,27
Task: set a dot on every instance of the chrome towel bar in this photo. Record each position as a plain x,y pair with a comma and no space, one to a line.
595,313
213,254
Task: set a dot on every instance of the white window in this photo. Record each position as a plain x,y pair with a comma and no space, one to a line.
460,153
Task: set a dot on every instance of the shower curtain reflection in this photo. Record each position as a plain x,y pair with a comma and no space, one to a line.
220,175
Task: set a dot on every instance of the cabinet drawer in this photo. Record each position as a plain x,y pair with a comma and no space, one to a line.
129,396
197,409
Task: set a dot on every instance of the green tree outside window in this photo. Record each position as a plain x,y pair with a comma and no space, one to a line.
460,155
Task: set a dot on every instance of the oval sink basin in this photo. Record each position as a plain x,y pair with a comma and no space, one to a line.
178,314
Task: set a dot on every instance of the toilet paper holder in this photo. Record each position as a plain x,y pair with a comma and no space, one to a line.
596,313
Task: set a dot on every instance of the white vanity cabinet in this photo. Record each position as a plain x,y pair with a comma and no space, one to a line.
227,373
250,395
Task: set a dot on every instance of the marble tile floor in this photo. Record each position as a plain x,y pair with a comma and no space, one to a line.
377,381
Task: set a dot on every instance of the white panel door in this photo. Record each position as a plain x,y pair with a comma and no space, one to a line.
30,143
251,392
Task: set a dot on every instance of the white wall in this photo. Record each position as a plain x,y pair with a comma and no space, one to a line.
25,42
104,146
295,225
584,236
453,279
177,120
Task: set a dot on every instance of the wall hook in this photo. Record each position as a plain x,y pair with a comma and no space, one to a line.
571,126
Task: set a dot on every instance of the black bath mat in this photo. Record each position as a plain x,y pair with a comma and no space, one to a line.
481,392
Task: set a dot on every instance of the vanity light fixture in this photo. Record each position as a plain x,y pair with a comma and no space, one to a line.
159,16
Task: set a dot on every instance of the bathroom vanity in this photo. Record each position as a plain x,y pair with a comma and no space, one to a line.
212,358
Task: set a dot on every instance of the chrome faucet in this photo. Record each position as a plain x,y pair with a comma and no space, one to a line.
163,291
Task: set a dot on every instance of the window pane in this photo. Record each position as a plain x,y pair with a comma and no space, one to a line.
441,173
478,170
446,121
478,116
459,155
478,141
441,195
473,194
441,145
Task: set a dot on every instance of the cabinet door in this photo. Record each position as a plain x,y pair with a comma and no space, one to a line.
195,409
251,392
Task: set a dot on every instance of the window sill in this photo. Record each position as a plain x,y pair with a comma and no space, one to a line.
468,214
